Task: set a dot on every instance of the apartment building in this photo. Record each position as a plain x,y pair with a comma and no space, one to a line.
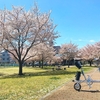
4,57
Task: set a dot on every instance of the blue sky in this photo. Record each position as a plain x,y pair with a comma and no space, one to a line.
78,21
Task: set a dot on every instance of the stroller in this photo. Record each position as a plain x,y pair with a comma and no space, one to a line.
88,80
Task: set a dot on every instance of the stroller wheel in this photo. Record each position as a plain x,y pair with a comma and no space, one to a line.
77,86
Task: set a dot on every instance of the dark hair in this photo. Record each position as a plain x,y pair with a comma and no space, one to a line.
78,64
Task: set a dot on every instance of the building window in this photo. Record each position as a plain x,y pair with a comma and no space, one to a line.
3,58
7,58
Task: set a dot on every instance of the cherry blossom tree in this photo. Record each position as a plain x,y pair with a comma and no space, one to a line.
68,52
88,53
97,50
20,30
44,53
97,53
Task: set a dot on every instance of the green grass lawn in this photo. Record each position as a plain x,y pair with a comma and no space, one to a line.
35,82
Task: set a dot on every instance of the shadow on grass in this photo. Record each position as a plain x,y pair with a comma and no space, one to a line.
2,74
32,74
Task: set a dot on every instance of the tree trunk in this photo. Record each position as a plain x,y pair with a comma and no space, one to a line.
42,63
90,62
32,63
20,68
68,62
39,63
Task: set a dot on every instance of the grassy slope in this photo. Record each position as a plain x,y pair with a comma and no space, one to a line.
35,83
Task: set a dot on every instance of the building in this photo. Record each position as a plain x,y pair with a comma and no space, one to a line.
5,58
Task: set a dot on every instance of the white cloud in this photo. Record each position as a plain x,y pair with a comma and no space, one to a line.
92,41
80,40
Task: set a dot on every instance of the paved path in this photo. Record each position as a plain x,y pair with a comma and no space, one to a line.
67,91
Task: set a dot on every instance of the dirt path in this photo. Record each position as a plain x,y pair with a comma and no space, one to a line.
67,91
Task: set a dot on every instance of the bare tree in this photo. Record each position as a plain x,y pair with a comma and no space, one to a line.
68,52
20,30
